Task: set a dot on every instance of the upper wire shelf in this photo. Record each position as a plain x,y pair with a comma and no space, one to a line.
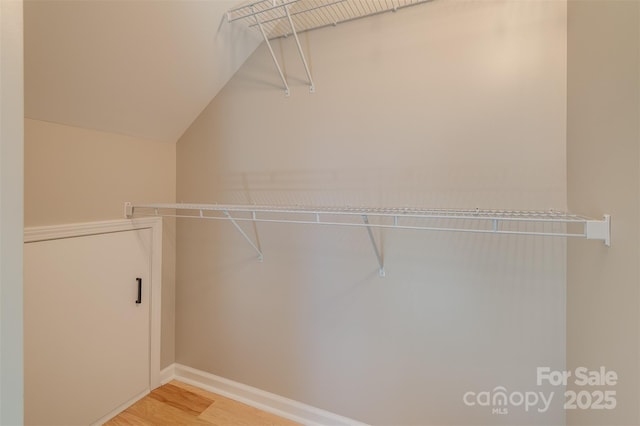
310,14
282,18
510,222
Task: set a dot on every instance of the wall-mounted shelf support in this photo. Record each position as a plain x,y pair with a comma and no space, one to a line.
377,251
128,210
244,234
599,230
312,87
256,15
273,55
498,222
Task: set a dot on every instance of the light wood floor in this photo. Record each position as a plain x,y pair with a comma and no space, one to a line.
177,403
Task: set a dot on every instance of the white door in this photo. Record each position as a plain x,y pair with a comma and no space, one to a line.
86,338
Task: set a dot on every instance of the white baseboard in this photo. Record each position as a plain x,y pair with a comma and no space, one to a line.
168,374
266,401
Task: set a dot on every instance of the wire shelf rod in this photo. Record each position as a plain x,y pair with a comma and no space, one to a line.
491,219
317,14
277,18
547,224
383,226
253,12
458,214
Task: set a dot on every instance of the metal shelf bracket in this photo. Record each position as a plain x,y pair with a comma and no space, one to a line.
255,246
312,87
273,55
599,230
377,251
284,5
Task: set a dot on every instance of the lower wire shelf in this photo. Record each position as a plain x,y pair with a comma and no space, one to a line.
510,222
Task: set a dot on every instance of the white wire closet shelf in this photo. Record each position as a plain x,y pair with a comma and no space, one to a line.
503,222
309,15
283,18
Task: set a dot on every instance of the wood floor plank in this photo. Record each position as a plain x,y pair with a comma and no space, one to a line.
127,419
198,391
181,399
159,413
225,411
177,404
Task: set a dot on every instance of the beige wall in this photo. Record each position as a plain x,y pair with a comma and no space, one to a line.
450,104
80,175
88,63
603,177
11,210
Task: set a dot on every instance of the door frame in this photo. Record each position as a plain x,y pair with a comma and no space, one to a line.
55,232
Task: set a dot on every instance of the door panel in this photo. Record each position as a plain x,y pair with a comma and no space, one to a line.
86,339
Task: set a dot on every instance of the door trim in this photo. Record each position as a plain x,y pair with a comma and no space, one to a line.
54,232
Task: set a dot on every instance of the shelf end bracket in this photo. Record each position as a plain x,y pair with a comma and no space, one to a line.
128,210
599,230
379,257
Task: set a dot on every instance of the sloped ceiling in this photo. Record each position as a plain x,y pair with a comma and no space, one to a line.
144,68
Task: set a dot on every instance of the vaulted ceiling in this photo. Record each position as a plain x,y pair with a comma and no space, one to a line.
143,68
